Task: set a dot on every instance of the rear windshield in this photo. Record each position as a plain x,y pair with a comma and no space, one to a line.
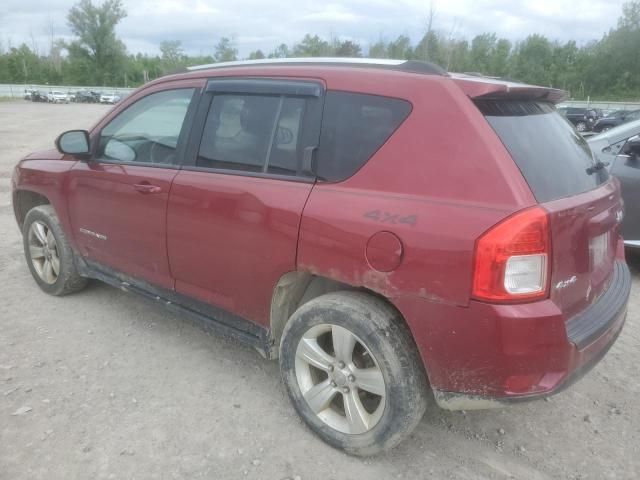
553,157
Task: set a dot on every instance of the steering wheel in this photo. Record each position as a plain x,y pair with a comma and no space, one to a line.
161,150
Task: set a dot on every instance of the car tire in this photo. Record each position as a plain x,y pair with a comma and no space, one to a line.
581,126
48,253
377,396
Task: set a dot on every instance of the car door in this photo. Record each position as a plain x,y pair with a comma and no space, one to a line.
626,168
118,198
234,210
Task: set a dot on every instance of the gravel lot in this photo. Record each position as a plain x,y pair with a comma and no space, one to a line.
118,388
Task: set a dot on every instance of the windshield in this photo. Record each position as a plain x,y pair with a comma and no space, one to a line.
553,157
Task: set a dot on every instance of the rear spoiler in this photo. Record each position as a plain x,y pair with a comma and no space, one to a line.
487,87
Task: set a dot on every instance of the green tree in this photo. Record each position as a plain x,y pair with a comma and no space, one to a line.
533,58
256,55
281,51
172,55
225,50
97,46
312,46
379,50
400,48
347,48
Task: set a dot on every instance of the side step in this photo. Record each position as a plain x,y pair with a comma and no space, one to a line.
215,319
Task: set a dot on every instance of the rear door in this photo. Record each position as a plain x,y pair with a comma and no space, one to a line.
118,199
583,203
235,208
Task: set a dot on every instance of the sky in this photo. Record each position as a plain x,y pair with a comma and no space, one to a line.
264,24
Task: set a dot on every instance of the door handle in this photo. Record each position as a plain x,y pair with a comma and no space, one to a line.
147,188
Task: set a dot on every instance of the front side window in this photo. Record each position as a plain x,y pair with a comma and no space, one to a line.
148,130
253,133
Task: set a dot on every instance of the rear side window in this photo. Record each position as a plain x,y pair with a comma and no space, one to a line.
354,127
554,159
253,133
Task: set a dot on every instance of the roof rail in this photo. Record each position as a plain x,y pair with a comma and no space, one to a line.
412,66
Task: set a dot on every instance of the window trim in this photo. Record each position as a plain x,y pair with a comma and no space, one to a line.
310,127
256,86
181,146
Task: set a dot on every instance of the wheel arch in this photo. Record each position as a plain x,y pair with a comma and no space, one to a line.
24,200
296,288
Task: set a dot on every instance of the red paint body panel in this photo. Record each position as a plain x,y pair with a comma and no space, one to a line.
101,198
475,350
231,238
46,176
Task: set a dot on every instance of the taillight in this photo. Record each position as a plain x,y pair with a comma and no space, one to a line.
512,259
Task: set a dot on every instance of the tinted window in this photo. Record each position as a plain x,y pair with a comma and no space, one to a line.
554,159
148,130
253,133
354,127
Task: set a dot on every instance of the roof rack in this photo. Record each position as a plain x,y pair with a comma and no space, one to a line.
412,66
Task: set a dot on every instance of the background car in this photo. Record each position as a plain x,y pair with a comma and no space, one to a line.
616,118
109,98
583,119
38,96
28,94
618,148
84,96
56,96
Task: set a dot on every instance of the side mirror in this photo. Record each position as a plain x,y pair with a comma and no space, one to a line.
632,148
74,142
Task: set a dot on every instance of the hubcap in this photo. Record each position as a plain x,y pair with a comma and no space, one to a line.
43,251
340,379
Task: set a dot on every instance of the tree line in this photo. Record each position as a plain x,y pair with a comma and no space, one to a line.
608,68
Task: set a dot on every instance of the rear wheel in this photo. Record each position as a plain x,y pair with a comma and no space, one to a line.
581,126
48,254
352,372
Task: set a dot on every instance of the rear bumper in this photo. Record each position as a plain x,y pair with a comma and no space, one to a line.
485,355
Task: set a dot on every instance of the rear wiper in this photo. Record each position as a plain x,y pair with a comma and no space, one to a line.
596,166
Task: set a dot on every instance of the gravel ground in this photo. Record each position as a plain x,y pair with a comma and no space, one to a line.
104,384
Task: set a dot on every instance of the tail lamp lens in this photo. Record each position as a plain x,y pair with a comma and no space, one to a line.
512,259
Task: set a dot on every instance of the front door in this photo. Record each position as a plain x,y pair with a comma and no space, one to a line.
118,199
234,211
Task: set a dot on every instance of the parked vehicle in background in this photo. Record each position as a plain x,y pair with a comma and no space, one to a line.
583,119
38,96
56,96
494,277
28,94
109,98
618,148
84,96
616,118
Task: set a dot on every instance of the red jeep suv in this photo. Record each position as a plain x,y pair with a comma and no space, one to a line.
386,229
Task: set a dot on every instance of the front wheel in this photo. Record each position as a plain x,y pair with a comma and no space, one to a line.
352,372
48,254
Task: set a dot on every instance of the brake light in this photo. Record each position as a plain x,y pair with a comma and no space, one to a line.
512,259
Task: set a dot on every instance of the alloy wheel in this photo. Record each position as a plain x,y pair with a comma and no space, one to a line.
43,251
340,379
